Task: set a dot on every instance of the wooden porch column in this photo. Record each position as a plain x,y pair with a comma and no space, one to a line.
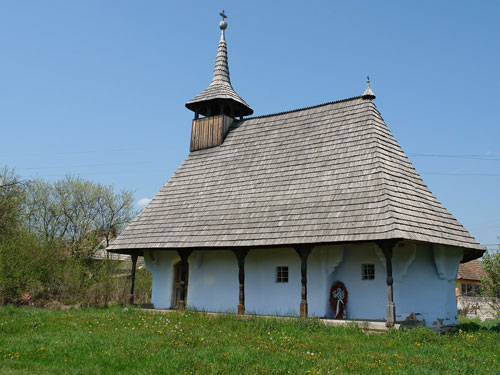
240,256
303,251
132,279
184,255
387,247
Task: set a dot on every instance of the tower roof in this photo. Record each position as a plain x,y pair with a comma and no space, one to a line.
220,91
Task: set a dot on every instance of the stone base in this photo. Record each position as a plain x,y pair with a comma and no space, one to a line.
303,309
391,314
180,305
241,309
130,299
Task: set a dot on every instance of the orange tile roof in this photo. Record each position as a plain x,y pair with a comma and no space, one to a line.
472,270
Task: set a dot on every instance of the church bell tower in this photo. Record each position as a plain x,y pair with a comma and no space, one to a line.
219,104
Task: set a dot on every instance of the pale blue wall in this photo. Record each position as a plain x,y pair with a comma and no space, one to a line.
213,281
423,281
367,298
423,292
161,265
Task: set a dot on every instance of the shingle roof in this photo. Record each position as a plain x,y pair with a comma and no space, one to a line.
220,88
327,174
472,270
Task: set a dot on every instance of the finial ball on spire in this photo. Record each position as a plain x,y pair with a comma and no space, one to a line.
223,23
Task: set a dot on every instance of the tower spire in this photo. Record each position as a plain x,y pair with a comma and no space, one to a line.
219,97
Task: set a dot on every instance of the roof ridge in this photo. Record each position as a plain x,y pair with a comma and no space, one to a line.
384,173
304,108
381,172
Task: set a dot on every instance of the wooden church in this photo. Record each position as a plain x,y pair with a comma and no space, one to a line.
310,212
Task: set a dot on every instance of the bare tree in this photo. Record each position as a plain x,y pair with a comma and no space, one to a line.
78,212
11,198
115,211
43,212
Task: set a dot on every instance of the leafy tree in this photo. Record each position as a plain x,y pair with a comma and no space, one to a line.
491,282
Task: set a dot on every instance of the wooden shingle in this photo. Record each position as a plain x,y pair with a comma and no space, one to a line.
327,174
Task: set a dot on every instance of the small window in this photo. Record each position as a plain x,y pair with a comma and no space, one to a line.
282,274
367,271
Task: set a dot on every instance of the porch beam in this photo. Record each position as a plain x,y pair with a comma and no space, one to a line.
130,299
184,255
387,247
240,257
303,251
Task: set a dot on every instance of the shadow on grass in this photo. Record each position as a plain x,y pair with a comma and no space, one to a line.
475,326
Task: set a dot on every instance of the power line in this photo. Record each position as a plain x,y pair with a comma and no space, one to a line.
461,174
492,157
87,165
83,152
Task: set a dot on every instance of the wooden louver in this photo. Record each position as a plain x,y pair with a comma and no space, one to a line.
209,131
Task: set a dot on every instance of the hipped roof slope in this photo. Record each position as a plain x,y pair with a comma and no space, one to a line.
327,174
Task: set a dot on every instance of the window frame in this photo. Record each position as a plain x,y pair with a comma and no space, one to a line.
367,271
282,274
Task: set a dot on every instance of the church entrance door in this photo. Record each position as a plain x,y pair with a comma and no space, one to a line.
177,283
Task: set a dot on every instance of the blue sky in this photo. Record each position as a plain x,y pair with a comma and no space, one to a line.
97,88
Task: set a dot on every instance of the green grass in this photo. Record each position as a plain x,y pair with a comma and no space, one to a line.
131,341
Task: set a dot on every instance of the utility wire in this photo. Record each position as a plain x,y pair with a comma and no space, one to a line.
461,174
88,165
452,156
83,152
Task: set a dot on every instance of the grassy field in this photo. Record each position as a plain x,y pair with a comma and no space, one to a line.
131,341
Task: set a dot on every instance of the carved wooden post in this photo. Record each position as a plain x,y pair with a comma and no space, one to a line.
132,279
184,255
240,256
387,247
303,251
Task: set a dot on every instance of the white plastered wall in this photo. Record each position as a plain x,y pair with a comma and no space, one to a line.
367,299
423,281
161,265
213,281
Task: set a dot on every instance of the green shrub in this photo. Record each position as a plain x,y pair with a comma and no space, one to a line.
27,267
33,271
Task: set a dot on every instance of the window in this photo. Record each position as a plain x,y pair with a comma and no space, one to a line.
471,290
368,271
282,274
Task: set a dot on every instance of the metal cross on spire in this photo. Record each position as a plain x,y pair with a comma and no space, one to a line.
223,23
368,81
